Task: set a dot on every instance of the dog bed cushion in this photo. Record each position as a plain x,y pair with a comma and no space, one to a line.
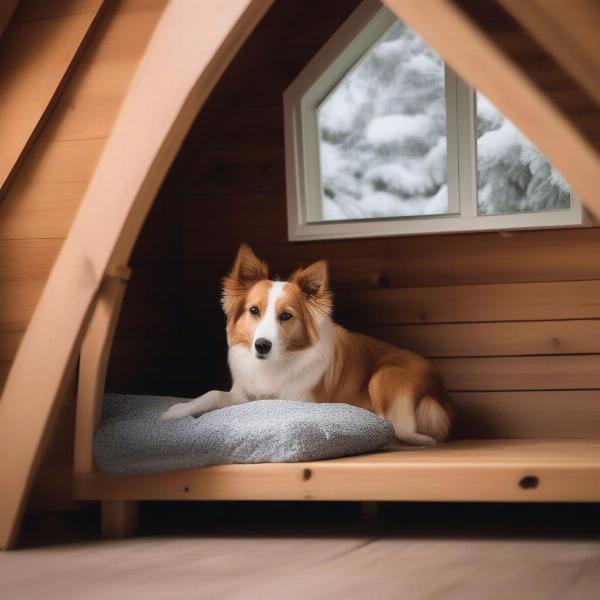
132,439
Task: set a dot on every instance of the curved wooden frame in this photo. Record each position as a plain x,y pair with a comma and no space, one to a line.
93,363
191,47
119,518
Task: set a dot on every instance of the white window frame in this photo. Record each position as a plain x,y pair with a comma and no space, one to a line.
359,32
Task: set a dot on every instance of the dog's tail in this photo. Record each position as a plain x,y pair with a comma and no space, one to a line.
434,417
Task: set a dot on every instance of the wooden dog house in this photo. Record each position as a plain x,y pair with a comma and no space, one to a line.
511,320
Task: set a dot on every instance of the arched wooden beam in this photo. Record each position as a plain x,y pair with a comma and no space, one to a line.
191,47
563,125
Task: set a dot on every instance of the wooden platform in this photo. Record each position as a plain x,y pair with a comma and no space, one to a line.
473,470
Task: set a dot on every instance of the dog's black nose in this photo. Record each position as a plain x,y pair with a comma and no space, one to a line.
262,346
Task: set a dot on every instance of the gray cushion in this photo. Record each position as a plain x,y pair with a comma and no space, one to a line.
132,439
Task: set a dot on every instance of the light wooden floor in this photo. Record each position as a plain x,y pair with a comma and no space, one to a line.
295,550
286,568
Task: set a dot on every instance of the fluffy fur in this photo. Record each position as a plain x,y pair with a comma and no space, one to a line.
312,359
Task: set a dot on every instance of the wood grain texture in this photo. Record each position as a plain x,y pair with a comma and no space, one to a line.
25,260
315,551
494,339
43,200
39,210
528,414
475,470
523,256
471,303
36,60
89,106
36,10
567,372
33,10
17,301
68,161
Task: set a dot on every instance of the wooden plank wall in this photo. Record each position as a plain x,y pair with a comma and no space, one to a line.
512,320
38,209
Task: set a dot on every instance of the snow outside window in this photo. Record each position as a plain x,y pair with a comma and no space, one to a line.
382,138
382,133
513,175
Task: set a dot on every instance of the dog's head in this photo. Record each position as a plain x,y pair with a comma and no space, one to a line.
274,318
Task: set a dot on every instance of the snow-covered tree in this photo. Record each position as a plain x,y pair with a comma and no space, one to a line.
383,133
383,142
513,175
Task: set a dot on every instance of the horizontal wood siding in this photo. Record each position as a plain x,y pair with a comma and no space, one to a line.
473,303
529,414
510,338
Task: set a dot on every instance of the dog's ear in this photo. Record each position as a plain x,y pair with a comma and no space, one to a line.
313,280
314,284
247,270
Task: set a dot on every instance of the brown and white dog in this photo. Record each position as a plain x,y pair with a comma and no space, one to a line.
284,344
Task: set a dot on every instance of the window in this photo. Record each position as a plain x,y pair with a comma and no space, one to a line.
383,138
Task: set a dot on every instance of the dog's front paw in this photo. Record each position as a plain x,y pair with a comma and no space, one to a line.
194,408
178,411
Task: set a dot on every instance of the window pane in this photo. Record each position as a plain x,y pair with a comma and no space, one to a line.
513,175
382,134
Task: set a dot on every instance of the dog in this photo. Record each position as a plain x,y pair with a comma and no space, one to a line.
283,344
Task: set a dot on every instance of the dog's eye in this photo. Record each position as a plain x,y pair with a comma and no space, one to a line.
285,316
254,310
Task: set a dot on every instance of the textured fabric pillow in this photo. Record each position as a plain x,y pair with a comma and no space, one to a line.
132,439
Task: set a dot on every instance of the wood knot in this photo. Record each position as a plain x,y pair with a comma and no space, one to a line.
555,342
529,482
306,474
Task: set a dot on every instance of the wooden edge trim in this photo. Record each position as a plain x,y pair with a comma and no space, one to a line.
93,362
356,481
